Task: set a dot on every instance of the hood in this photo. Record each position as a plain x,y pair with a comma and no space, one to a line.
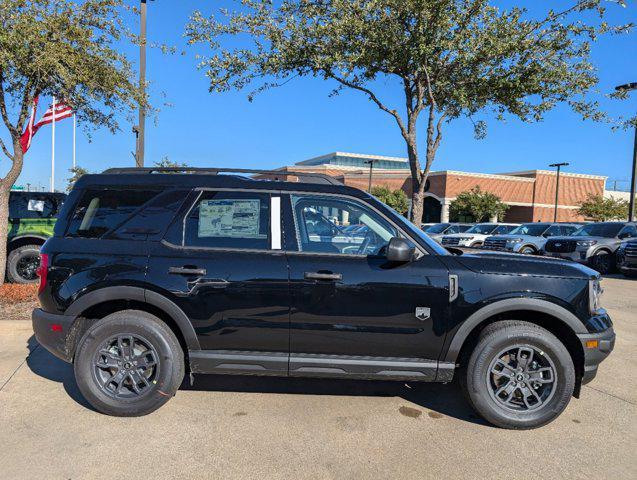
458,235
578,238
485,261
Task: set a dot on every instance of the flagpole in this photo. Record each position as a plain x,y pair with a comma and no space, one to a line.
53,149
74,142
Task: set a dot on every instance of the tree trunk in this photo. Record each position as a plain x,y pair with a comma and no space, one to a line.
4,229
417,183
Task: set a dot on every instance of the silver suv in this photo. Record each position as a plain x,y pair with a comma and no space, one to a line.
436,231
476,235
528,238
594,244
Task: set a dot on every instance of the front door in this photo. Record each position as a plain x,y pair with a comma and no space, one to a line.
222,264
353,312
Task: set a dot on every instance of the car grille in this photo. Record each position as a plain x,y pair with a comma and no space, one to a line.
631,250
495,244
450,240
560,246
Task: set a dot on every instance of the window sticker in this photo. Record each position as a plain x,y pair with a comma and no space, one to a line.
230,218
36,205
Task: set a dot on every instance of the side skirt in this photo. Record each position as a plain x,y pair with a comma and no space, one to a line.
325,366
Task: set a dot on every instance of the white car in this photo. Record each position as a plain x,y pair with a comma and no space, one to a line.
476,235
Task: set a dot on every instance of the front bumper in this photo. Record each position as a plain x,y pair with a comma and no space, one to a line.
580,256
596,346
627,264
54,332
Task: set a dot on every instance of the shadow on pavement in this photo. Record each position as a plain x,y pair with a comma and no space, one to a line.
46,365
438,399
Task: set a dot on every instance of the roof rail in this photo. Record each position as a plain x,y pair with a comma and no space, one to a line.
304,177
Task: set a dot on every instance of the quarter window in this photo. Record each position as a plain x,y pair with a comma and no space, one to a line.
339,226
229,220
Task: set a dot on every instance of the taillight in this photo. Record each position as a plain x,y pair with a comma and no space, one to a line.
43,271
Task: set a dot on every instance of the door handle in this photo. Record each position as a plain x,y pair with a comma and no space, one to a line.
322,276
187,271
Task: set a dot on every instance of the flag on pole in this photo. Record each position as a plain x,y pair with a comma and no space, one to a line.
57,112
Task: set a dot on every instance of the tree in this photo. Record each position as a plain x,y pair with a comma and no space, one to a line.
600,209
480,205
76,173
165,162
67,50
396,199
446,59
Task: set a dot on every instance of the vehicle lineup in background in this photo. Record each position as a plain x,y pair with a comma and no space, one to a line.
477,234
151,276
528,238
627,258
31,219
594,244
436,231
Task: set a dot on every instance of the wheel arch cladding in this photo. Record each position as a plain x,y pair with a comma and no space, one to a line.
23,240
557,320
99,303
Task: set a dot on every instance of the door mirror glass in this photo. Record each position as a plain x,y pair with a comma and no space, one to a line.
399,250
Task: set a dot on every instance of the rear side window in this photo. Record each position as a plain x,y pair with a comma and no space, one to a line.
101,211
34,205
229,220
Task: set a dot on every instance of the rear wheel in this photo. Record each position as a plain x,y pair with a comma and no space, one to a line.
518,376
23,263
129,364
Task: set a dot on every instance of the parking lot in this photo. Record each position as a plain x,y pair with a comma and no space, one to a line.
248,427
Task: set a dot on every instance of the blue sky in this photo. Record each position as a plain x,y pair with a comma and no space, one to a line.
299,121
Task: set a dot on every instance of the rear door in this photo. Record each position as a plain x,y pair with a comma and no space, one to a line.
221,262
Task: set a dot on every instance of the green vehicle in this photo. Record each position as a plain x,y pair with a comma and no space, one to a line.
32,216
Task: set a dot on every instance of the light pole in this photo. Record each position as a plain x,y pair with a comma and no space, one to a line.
631,205
371,169
557,185
140,128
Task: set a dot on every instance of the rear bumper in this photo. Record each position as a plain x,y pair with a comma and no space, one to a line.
594,355
53,333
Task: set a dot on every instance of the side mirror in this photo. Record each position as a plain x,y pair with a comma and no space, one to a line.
399,250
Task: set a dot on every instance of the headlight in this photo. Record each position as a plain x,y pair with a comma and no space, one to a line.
586,243
514,240
595,291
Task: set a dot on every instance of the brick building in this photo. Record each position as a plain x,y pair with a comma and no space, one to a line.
529,194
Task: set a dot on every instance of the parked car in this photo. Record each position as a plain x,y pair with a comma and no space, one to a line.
593,244
438,230
149,276
528,238
627,258
477,234
32,216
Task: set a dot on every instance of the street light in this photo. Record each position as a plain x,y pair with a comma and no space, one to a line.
557,185
631,206
140,128
371,168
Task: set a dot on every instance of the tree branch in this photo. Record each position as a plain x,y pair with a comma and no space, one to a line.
3,108
5,150
374,99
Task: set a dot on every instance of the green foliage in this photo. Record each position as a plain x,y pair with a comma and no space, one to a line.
76,173
396,199
480,205
446,58
601,209
165,162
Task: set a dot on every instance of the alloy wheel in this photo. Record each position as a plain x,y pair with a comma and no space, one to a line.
27,266
521,378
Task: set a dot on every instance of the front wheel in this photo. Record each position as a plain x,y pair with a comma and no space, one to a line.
129,364
528,250
602,261
518,376
23,263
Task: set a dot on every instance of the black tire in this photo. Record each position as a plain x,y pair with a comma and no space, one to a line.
602,261
22,264
160,380
528,250
480,387
476,245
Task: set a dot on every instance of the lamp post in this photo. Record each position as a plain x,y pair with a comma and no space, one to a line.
631,205
371,169
140,128
557,185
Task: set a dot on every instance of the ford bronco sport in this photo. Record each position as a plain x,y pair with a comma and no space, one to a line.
150,275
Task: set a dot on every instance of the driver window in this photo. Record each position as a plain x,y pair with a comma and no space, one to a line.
339,226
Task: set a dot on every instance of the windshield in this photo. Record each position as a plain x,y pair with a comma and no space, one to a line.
607,230
439,228
532,229
483,228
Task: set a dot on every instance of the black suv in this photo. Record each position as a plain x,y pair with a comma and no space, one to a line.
151,275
